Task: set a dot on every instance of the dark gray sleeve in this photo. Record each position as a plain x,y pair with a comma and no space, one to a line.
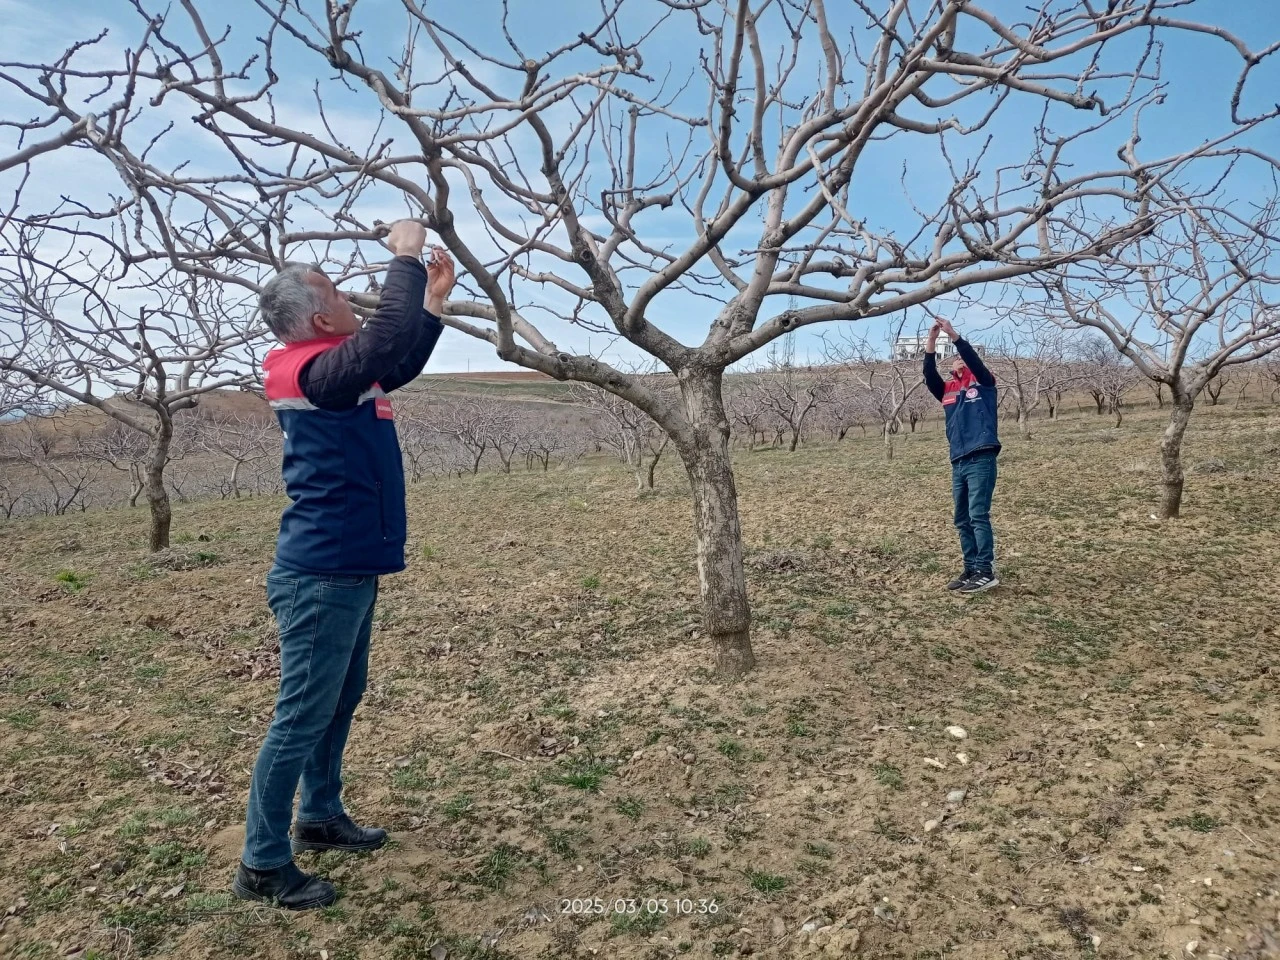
974,363
408,370
336,379
931,378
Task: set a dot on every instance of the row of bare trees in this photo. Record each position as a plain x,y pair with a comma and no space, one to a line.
59,461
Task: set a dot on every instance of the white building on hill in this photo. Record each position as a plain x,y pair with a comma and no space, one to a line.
913,348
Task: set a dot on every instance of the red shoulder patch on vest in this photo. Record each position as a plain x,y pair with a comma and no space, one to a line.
382,406
283,365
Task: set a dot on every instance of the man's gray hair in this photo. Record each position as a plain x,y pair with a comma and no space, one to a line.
289,301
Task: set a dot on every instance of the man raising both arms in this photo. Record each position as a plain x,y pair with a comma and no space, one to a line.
345,527
968,399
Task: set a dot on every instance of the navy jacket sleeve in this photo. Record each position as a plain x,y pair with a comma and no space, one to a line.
931,378
974,363
410,367
336,379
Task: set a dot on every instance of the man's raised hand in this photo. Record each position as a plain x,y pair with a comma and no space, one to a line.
440,277
407,238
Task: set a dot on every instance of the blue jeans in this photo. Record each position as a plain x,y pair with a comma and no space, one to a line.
973,481
325,621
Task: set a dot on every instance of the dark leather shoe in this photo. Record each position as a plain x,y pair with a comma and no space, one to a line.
340,833
286,887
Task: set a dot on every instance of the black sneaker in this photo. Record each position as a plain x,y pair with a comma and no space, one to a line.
340,833
286,887
980,582
960,581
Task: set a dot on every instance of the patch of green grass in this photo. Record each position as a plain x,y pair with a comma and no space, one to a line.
428,552
630,807
562,843
813,868
211,902
582,773
887,547
173,854
458,807
696,847
135,826
821,850
732,749
642,923
769,884
557,705
71,581
591,582
147,926
798,728
1198,822
24,719
413,777
497,868
1072,644
173,817
888,775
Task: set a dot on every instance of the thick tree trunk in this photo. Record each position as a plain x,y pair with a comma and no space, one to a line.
1024,423
795,439
235,480
1171,454
157,495
888,441
726,613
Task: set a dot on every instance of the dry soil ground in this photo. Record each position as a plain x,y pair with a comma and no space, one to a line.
539,726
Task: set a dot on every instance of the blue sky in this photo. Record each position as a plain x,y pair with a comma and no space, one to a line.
1199,73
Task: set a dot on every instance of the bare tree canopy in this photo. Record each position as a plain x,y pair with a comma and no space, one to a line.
138,342
1196,296
668,154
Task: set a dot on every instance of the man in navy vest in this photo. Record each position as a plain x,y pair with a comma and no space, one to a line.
344,528
969,402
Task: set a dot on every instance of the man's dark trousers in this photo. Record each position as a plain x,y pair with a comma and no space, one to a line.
325,622
973,482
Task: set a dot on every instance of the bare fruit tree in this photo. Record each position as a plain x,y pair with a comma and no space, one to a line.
887,384
746,410
790,393
1271,376
669,156
138,345
1196,297
243,441
1032,366
53,453
634,436
1106,375
124,449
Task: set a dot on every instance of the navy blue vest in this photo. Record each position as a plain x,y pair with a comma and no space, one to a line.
971,411
343,472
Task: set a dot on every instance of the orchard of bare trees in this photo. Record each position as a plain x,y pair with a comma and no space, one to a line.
715,161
